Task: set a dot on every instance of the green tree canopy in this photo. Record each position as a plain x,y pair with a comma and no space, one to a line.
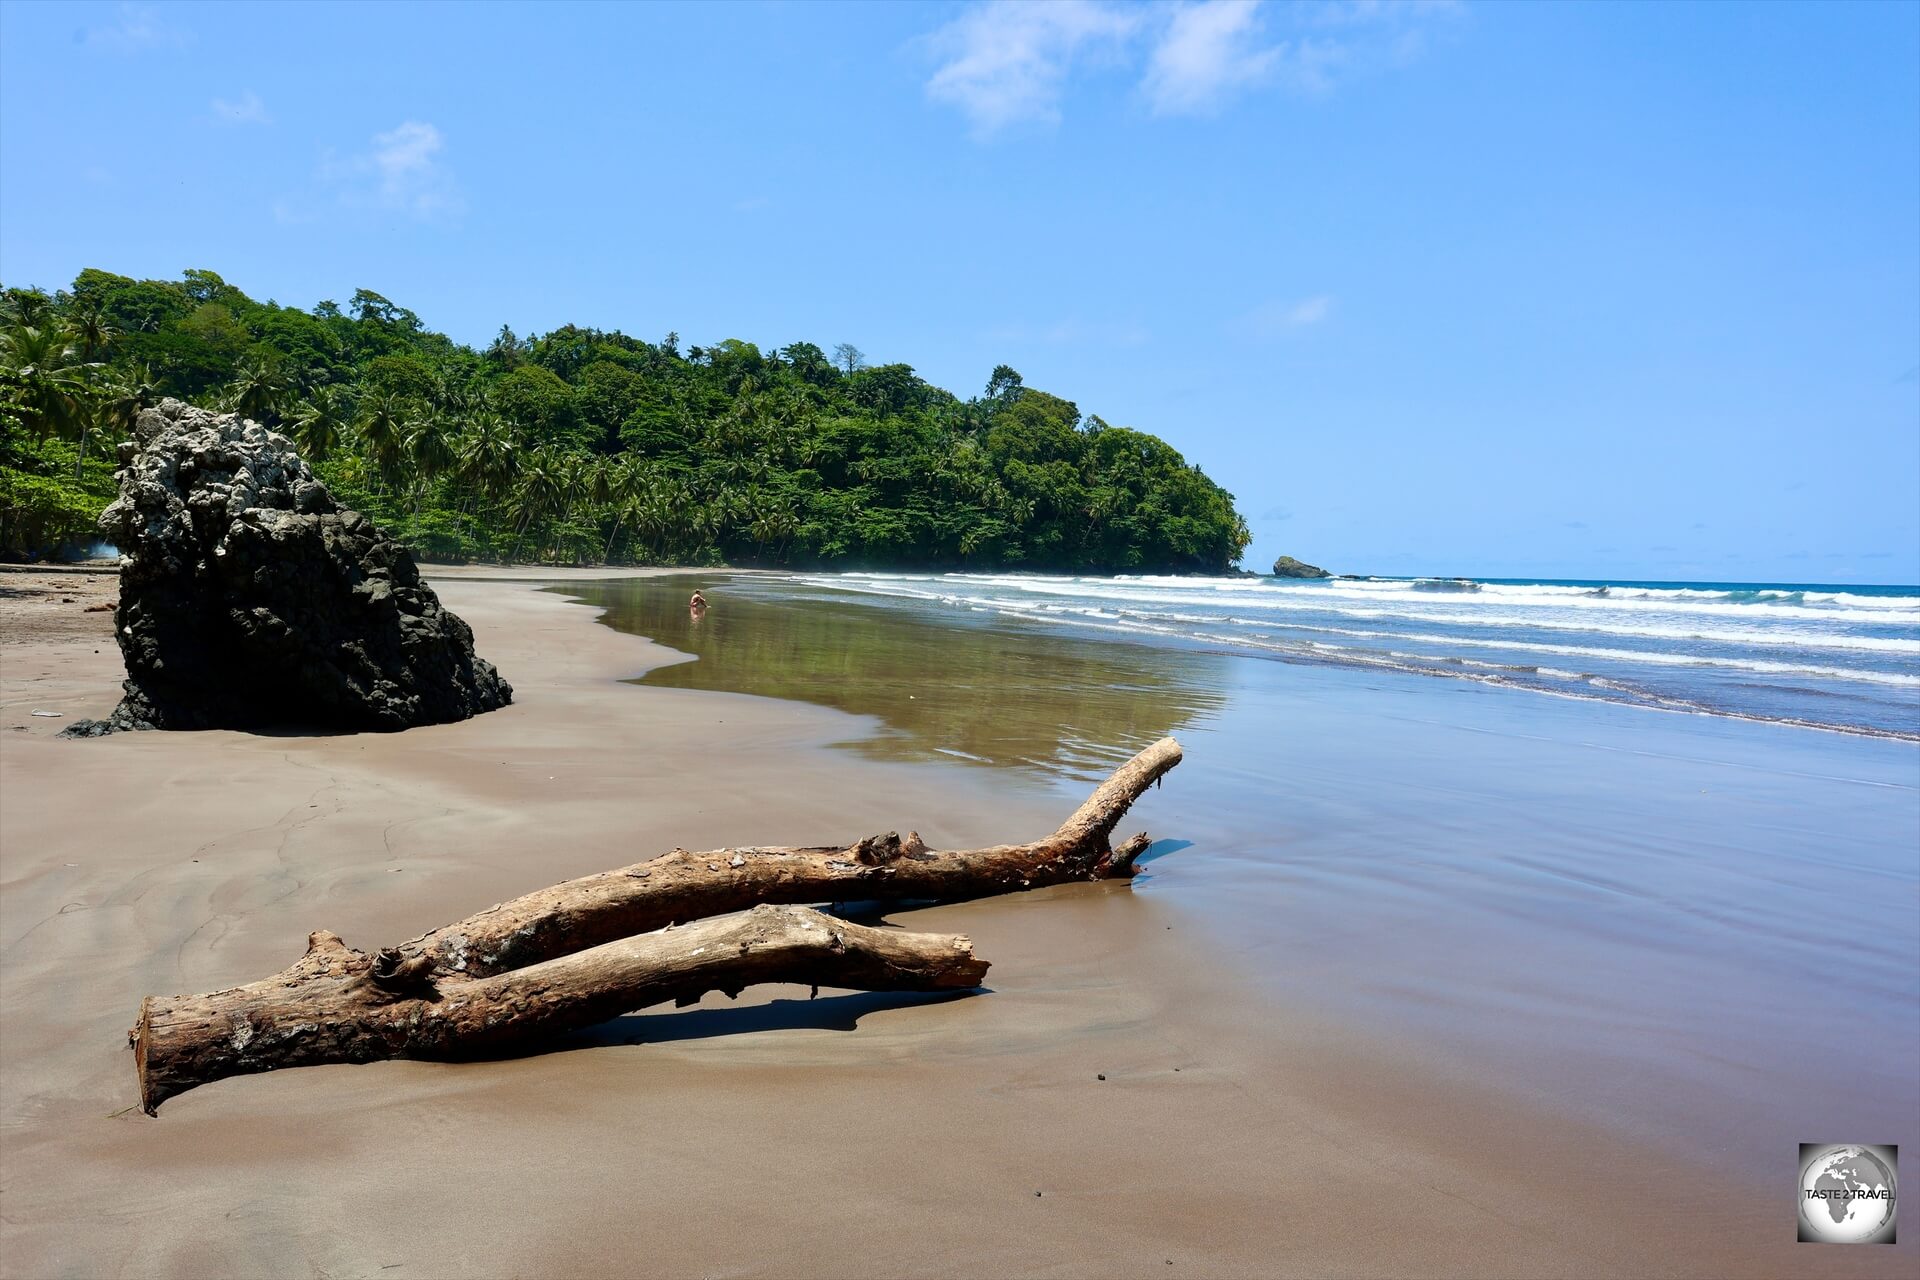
584,443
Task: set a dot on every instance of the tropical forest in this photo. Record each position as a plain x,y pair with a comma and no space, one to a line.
582,446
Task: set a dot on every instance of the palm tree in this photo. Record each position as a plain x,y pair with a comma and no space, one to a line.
538,492
53,386
91,328
483,460
382,424
126,392
772,521
506,350
623,482
258,391
30,307
578,477
654,514
486,454
429,443
706,521
322,421
455,397
118,403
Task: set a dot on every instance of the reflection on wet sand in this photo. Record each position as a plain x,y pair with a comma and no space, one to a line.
975,689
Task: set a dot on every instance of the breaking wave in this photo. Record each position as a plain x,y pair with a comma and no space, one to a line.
1828,657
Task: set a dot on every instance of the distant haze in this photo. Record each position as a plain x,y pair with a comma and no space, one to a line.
1598,291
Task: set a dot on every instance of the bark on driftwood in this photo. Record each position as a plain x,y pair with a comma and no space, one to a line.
340,1005
588,950
681,886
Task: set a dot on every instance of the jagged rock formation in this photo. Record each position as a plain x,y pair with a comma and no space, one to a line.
250,599
1288,567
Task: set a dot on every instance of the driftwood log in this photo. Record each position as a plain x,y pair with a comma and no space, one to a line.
340,1005
680,886
588,950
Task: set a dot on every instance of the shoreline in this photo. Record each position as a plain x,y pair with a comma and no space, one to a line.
1232,1136
1615,918
1842,665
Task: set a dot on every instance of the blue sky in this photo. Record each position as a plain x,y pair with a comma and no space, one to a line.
1601,291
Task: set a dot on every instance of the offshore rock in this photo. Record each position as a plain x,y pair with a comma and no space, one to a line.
250,599
1288,567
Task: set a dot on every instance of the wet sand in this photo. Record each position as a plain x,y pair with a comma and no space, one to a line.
1239,1131
1702,932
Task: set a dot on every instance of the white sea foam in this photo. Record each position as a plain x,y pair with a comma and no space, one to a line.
1275,606
1627,656
1770,597
1631,656
1628,605
1770,653
1149,623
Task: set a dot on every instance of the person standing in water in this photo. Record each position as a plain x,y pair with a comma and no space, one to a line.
698,604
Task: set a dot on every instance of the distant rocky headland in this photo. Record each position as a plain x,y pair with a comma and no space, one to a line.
1288,567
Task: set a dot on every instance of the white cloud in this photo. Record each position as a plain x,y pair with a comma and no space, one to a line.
1277,319
246,109
402,172
131,28
1012,61
1213,49
1208,51
406,158
1007,62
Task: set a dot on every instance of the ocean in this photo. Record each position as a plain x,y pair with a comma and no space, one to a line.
1844,658
1628,901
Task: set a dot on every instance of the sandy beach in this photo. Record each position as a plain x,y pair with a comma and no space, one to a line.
1236,1132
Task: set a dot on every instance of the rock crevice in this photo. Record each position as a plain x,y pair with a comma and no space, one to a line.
250,599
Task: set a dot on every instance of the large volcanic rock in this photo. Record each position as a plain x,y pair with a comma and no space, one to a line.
1288,567
250,599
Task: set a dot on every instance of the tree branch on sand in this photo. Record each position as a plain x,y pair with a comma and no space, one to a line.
588,950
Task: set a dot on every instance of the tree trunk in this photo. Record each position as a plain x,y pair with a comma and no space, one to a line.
337,1005
681,886
585,951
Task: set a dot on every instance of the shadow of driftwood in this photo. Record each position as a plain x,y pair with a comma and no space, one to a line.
1160,849
1153,853
826,1013
873,912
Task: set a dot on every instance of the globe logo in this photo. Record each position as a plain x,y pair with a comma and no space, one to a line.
1847,1193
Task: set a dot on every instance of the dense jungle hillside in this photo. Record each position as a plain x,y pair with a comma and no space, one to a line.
586,446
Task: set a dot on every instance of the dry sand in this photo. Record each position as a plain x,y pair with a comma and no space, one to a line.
849,1136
